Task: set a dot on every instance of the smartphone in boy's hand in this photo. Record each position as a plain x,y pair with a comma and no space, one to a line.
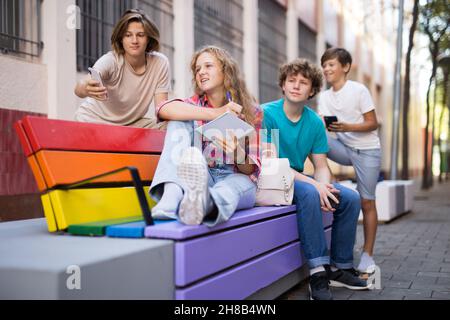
334,204
329,120
97,77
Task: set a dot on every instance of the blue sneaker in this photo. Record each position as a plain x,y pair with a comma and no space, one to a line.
318,286
347,279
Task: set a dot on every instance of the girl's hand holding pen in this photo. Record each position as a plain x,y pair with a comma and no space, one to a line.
233,107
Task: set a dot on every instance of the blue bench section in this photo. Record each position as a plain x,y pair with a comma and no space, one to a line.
127,230
130,230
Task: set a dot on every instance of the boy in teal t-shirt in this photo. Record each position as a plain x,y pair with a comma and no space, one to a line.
296,132
297,139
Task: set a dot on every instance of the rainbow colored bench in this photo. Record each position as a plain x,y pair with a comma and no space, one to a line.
79,168
66,156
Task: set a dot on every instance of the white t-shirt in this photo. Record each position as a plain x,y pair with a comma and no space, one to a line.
348,105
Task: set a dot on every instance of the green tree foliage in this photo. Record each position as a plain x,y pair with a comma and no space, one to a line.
434,21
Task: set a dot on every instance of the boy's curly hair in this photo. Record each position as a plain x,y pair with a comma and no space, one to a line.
305,68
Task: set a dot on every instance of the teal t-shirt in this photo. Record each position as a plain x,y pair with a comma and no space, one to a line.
296,140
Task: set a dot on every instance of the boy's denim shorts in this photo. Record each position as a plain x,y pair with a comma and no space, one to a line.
366,162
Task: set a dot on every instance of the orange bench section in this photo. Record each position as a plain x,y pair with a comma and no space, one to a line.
62,153
63,167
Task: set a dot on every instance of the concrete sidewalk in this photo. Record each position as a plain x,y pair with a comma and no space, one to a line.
412,251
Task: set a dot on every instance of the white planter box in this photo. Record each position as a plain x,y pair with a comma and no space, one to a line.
393,198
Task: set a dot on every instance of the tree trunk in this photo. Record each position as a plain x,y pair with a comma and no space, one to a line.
447,105
441,124
425,149
433,129
406,93
426,164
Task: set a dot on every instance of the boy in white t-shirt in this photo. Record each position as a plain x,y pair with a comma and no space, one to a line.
357,142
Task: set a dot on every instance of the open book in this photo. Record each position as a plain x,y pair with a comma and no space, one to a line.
225,125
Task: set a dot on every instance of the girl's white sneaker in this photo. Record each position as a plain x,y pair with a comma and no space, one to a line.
193,174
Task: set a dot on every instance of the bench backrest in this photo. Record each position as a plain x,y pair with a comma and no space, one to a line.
63,152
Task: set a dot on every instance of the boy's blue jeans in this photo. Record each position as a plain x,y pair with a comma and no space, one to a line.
311,229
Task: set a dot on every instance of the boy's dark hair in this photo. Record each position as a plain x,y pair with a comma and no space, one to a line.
343,56
306,69
135,15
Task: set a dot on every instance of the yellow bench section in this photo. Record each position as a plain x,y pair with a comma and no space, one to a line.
64,208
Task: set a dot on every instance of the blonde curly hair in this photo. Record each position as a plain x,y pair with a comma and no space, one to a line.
233,82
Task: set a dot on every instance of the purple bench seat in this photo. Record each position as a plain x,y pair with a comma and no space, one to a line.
177,231
249,277
233,260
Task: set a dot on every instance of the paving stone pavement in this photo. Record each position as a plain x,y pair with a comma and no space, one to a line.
412,251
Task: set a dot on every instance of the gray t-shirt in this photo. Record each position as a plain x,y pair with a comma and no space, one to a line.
129,94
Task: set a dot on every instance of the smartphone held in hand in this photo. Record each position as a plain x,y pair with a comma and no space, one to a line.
97,77
329,120
334,204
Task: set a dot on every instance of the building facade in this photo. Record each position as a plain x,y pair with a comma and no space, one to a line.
46,46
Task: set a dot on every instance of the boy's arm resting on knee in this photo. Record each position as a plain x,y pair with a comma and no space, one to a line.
332,177
301,177
323,176
322,189
321,171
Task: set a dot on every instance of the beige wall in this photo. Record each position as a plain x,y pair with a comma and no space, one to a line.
23,85
59,55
